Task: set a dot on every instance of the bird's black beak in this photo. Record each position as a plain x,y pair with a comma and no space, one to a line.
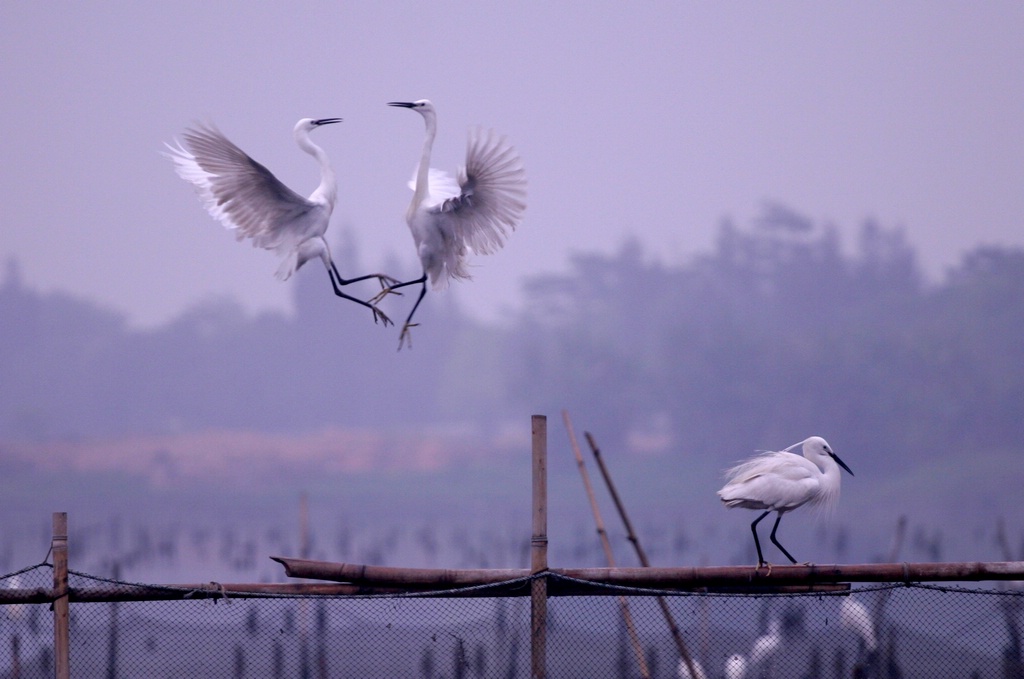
841,463
326,121
403,104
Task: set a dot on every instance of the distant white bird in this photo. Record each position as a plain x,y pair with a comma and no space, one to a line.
15,611
766,645
854,616
684,671
735,667
245,196
782,481
448,220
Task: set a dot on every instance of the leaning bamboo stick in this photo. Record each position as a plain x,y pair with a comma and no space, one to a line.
634,638
677,636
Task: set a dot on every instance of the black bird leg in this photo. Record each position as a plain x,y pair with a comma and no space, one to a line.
776,542
384,279
757,543
405,335
377,313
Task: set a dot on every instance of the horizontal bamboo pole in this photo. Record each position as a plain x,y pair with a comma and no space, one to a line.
672,578
128,593
386,580
429,577
112,592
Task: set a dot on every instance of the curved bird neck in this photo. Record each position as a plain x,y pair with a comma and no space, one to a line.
828,486
423,171
327,191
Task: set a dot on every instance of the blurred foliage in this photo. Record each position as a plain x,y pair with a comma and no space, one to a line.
776,334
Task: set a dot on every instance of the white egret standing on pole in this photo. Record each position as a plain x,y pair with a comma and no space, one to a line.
245,196
782,481
449,220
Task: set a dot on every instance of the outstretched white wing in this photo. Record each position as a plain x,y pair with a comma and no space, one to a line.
491,198
239,192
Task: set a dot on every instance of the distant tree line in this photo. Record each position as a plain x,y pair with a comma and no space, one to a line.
776,334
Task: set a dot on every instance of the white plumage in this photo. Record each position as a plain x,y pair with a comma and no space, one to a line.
768,644
735,667
246,197
449,219
15,611
854,616
684,672
782,481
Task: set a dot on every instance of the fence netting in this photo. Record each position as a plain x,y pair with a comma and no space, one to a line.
900,630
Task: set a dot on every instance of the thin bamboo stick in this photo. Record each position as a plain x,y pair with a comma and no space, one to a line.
61,617
539,549
634,638
677,636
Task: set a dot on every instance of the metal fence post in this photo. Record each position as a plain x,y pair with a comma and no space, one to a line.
61,636
539,550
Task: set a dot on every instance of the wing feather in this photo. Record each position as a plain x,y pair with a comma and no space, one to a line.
238,191
772,480
491,198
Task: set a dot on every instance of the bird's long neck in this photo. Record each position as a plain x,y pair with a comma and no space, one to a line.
327,192
423,172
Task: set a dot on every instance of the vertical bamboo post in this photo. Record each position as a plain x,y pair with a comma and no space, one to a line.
61,636
304,604
112,634
634,637
539,550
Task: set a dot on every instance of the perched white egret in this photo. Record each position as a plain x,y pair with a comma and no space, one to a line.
854,616
245,196
735,667
782,481
449,220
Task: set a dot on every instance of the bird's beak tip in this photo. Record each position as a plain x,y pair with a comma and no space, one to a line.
403,104
327,121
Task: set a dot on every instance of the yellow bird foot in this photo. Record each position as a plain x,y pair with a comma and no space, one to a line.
406,336
380,315
384,292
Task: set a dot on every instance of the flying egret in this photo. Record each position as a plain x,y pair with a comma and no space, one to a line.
448,219
245,196
782,481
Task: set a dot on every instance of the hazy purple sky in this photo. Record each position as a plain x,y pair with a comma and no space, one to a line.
649,119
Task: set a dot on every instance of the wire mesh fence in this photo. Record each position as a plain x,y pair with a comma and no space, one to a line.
900,630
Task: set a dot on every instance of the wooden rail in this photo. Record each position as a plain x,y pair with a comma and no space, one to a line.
681,579
340,579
